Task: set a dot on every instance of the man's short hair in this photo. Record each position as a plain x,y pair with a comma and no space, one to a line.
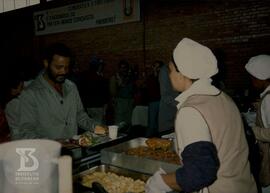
57,49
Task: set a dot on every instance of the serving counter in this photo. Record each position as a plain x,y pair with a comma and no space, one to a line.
112,157
84,158
117,155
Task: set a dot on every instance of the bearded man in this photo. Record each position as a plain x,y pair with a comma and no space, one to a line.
50,107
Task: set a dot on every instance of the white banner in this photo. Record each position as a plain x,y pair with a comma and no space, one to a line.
87,14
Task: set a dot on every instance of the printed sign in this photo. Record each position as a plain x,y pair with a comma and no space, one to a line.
87,14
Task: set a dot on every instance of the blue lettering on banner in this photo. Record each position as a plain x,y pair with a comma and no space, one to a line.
105,20
66,21
82,18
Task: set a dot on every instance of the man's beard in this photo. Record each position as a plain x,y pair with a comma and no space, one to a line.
56,78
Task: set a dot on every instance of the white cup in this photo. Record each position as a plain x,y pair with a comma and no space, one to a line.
113,130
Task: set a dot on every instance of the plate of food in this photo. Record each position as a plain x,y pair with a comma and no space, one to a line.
88,139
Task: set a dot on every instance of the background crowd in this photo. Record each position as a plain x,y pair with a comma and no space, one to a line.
61,101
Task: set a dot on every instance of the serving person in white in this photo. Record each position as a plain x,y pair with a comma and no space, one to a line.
209,130
259,69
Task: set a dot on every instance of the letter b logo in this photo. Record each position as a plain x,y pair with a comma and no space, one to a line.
28,162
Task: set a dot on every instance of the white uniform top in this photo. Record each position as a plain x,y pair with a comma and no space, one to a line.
265,108
263,133
190,126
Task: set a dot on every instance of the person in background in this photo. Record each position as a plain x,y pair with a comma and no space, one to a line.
12,83
95,90
14,86
153,97
50,107
259,69
167,105
209,130
4,129
122,92
74,74
218,79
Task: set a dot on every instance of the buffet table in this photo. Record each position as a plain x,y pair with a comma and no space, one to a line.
112,159
84,158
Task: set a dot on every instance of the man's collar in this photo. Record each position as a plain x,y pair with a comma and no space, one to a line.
52,83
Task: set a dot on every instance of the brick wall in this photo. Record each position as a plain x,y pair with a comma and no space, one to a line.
240,29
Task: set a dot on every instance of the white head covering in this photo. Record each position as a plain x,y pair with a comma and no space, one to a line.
194,60
259,67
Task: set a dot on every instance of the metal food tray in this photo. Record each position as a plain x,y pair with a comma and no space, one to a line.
116,156
80,188
114,169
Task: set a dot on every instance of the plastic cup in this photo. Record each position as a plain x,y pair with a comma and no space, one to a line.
113,130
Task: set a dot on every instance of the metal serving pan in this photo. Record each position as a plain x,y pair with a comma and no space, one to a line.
106,168
115,156
114,169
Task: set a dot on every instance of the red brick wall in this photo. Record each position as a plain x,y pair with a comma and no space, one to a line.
240,28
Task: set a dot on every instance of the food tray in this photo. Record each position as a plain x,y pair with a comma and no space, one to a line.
80,188
116,156
114,169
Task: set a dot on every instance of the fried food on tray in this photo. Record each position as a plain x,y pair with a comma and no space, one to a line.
114,183
159,154
158,143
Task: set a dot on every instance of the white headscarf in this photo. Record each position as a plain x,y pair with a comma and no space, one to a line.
194,60
259,67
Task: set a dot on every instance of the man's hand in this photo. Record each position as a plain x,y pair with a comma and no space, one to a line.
156,184
101,129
